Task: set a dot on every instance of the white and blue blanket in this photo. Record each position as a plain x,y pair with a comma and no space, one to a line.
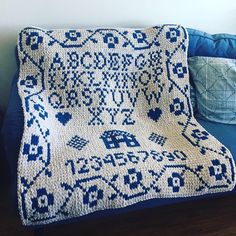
108,123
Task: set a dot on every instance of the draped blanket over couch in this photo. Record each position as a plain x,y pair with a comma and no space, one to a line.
108,123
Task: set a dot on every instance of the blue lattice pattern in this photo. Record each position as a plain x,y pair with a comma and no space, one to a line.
157,139
77,142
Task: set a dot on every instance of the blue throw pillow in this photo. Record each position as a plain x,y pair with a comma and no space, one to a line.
215,84
211,45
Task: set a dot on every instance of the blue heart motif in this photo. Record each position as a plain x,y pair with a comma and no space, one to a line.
63,117
154,114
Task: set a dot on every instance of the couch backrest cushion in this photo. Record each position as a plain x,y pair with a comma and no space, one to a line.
216,45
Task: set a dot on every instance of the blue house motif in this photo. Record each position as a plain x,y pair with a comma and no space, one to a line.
113,139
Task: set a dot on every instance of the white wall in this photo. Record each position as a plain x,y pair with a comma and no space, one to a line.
213,16
209,15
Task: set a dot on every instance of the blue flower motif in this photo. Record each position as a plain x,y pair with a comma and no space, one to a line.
42,113
72,35
29,81
217,169
139,36
42,201
177,107
180,70
111,40
199,135
175,181
33,40
92,196
32,149
133,179
172,35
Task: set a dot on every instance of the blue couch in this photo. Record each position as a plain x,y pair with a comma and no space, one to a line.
200,44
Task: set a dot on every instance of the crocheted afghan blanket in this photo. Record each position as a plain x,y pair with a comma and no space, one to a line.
108,123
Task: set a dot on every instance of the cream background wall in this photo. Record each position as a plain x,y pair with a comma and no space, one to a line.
213,16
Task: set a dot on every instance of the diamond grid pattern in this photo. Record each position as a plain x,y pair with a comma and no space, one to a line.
157,139
77,142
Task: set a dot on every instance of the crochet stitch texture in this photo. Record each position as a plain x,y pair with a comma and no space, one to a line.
109,123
